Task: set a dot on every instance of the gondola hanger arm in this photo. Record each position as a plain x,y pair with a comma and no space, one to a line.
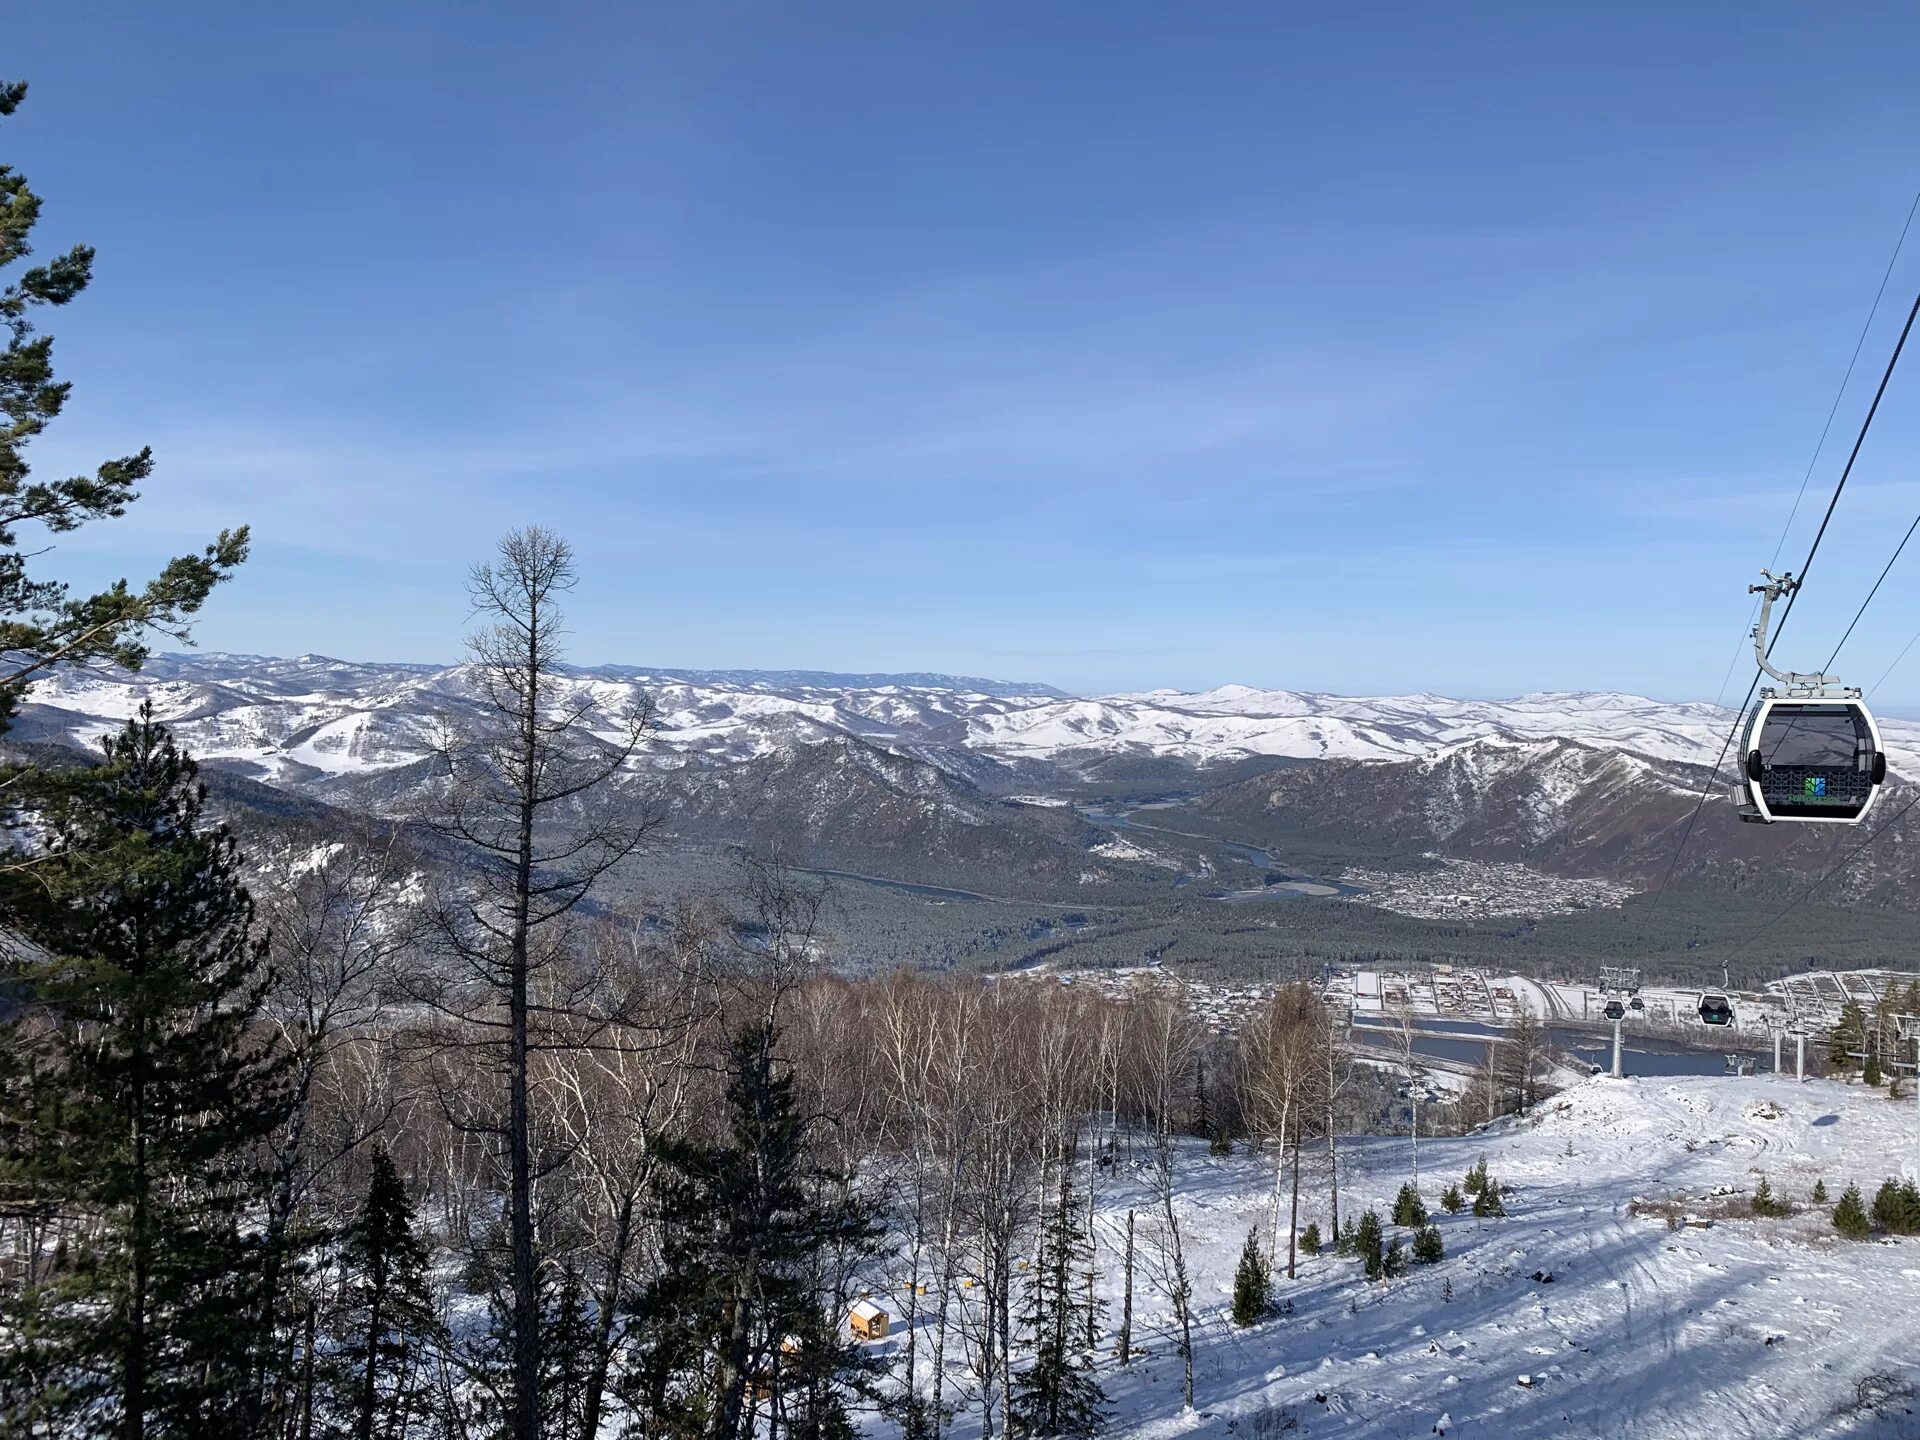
1770,590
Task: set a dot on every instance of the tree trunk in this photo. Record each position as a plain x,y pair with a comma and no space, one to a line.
1126,1301
1279,1170
526,1295
135,1355
306,1374
1293,1229
369,1380
1333,1174
603,1335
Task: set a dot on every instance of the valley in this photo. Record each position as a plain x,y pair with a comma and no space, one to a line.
974,824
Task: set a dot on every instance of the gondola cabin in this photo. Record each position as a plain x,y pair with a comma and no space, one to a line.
1716,1010
1615,1010
867,1321
1811,760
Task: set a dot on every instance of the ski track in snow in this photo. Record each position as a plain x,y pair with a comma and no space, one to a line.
1644,1333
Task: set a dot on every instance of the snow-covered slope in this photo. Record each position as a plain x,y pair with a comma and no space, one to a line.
1751,1328
299,720
1236,721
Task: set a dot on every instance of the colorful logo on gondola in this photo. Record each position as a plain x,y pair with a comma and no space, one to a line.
1815,787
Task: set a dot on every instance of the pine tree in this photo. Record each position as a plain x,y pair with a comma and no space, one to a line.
136,1094
1059,1394
1221,1143
1408,1208
1428,1248
43,626
1487,1201
1476,1180
1366,1240
1310,1238
386,1319
1764,1201
1870,1073
1394,1263
1850,1215
1451,1200
751,1221
1819,1192
1252,1284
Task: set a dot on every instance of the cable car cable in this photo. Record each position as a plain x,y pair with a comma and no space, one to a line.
1835,868
1860,341
1873,592
1897,659
1826,519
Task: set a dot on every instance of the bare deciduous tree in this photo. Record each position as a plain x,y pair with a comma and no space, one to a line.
527,787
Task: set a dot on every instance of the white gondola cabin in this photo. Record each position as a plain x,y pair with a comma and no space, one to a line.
1810,752
1814,760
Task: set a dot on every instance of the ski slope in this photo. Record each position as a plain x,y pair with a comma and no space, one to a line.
1750,1328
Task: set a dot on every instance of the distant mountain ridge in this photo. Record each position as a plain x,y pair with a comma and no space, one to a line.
953,780
214,663
311,719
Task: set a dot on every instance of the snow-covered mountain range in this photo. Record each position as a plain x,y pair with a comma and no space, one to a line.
962,782
297,722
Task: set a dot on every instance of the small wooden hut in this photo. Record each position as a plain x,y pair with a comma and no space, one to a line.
868,1321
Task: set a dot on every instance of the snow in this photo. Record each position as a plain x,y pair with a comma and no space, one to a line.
338,718
1749,1328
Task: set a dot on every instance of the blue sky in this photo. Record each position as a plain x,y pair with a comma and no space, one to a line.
1474,349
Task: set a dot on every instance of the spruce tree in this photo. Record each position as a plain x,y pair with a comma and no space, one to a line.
1428,1248
43,626
566,1342
1487,1201
1451,1200
1252,1284
1059,1393
1476,1180
1366,1240
1310,1238
750,1222
1886,1205
1896,1207
1870,1072
1819,1192
136,1094
1408,1208
1848,1036
386,1318
1200,1119
1394,1263
1765,1203
1850,1215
